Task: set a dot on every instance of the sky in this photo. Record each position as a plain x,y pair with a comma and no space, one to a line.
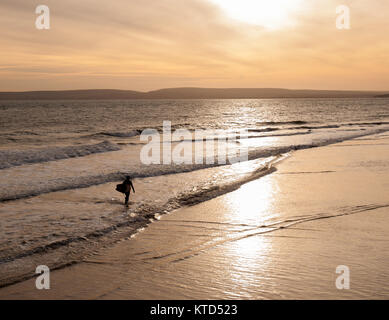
152,44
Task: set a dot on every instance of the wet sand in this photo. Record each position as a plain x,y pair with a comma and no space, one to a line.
279,237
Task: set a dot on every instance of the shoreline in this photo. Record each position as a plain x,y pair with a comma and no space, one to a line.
139,217
359,145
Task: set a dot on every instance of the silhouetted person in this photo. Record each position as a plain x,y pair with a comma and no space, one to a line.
128,185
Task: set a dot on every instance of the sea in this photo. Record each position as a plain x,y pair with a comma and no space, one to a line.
61,160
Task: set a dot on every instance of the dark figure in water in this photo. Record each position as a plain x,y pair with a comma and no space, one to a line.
128,185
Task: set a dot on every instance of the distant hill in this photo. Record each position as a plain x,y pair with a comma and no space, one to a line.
253,93
383,96
71,95
187,93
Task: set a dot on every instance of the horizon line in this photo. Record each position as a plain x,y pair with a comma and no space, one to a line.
192,87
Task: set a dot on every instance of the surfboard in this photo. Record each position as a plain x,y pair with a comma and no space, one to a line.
121,188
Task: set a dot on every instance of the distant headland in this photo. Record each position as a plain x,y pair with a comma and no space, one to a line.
188,93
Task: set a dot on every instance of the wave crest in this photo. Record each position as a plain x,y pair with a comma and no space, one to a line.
13,158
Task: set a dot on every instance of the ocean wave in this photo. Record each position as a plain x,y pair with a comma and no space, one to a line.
377,123
238,137
129,134
138,132
298,125
273,123
13,158
265,130
301,125
142,171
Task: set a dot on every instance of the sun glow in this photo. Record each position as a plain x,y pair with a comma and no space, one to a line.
272,14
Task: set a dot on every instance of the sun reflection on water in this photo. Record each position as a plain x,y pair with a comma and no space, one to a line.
252,206
253,201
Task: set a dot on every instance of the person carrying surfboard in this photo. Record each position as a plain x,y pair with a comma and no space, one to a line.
127,188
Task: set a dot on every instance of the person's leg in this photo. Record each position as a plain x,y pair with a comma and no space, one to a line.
127,197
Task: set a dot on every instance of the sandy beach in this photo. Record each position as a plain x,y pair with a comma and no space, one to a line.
195,150
281,236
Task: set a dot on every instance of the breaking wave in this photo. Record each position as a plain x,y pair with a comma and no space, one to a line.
12,158
142,171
